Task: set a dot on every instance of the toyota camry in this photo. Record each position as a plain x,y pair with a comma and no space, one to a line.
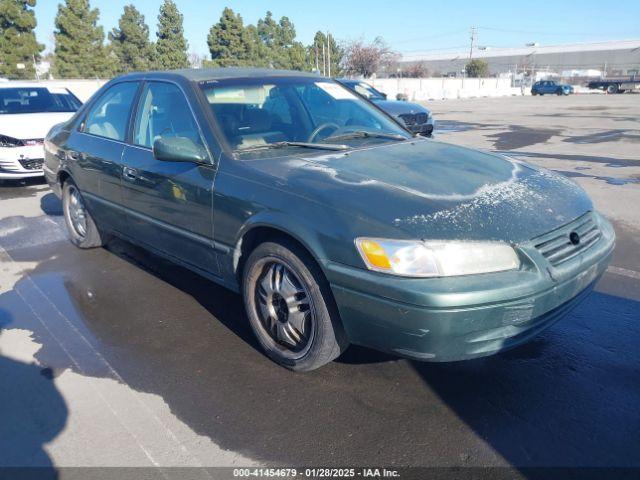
335,224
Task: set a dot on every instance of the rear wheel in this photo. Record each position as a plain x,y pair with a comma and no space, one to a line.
83,231
290,307
612,88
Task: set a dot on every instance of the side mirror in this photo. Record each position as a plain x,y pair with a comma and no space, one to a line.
179,149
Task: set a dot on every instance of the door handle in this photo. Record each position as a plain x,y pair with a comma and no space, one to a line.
129,173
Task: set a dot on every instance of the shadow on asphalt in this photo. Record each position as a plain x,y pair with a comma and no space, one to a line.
33,413
50,205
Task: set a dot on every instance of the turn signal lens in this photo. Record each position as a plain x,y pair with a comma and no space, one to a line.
375,254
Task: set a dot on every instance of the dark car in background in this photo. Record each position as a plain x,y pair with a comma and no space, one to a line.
551,87
335,224
415,117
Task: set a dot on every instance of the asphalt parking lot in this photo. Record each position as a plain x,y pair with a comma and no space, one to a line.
116,357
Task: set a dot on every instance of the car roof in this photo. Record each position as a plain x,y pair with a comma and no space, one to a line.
204,74
351,81
22,84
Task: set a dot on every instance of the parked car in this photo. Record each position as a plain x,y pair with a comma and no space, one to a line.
415,117
27,113
335,224
551,87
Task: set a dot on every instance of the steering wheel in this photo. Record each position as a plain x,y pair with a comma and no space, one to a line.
320,128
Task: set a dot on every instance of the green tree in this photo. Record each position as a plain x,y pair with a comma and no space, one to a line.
171,47
333,54
18,45
258,52
279,43
80,51
130,42
230,43
477,68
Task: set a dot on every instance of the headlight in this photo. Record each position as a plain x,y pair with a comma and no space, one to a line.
437,258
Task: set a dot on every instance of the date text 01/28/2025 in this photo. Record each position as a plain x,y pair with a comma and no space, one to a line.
315,473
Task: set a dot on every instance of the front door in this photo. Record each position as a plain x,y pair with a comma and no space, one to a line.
169,204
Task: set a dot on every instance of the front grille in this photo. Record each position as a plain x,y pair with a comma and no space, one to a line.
31,163
409,119
560,245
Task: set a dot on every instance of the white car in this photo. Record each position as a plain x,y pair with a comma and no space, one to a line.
27,113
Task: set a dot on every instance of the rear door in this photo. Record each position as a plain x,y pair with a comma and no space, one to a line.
95,153
169,204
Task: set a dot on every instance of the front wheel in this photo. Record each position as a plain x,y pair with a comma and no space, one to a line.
83,231
290,307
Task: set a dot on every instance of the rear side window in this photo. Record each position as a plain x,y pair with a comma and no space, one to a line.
164,112
109,116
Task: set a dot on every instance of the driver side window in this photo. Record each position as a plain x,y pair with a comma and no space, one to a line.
163,111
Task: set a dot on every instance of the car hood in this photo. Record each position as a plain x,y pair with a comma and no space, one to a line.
25,126
399,108
429,189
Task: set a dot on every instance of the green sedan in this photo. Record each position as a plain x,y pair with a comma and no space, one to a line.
335,223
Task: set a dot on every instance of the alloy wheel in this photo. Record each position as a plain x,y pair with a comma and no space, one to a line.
77,212
284,307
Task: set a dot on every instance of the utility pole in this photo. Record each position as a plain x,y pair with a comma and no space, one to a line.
35,67
324,62
328,55
473,32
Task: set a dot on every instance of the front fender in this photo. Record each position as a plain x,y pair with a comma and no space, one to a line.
303,232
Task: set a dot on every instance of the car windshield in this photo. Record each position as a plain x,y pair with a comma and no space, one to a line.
296,112
368,91
15,100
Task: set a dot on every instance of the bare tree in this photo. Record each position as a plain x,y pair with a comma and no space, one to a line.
367,58
416,70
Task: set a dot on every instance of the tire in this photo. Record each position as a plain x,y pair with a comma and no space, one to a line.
273,271
87,237
559,92
612,88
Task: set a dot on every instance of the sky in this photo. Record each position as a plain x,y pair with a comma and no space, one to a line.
407,26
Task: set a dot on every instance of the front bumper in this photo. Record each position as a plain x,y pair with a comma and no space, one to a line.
457,318
424,129
21,162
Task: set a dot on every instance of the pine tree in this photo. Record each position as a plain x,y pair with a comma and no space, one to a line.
80,51
130,42
278,40
171,47
18,45
258,53
230,43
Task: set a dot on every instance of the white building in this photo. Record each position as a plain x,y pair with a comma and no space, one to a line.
615,58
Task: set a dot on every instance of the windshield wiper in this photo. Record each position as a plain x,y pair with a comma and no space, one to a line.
367,134
318,146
